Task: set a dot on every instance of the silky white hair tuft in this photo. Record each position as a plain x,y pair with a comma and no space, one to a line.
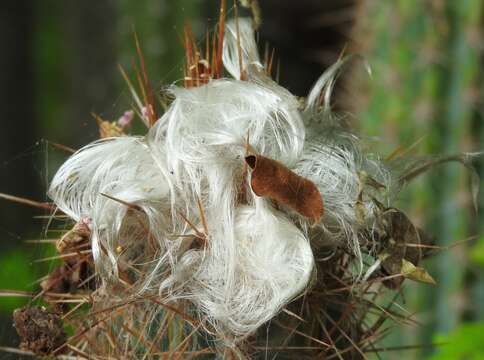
245,260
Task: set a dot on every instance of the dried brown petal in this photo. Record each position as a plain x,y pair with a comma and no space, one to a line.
275,181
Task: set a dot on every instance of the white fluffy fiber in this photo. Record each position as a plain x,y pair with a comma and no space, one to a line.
271,263
256,258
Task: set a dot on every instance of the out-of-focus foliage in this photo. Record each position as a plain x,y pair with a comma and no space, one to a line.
477,252
15,274
426,94
463,343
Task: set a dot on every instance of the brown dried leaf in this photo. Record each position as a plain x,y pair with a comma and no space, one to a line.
273,180
398,231
401,231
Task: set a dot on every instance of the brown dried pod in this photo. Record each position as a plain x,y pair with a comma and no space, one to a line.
76,271
275,181
79,234
40,330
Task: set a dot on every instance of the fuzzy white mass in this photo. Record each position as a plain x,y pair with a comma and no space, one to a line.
256,258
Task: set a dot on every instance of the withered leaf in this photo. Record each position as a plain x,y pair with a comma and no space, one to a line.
400,241
275,181
393,264
410,271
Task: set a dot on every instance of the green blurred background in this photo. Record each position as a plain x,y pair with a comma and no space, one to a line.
59,62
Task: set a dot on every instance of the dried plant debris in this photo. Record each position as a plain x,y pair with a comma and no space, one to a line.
76,272
400,251
273,180
190,242
114,128
41,331
74,238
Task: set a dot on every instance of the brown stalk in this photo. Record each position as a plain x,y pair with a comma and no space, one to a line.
356,347
78,352
328,335
221,35
14,293
184,344
128,204
62,147
149,100
302,334
63,256
33,203
164,327
138,335
202,216
239,48
201,66
177,311
406,347
271,62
